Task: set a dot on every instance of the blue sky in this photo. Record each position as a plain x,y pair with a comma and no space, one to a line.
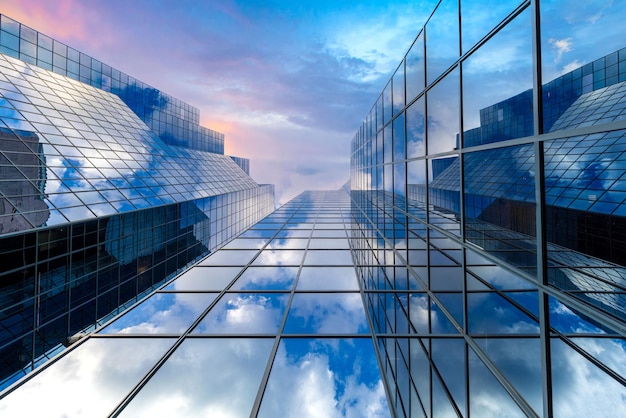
287,82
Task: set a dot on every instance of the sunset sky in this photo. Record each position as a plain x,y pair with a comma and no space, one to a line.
287,82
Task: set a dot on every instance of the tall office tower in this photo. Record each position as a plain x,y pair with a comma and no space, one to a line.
489,191
108,187
485,224
271,325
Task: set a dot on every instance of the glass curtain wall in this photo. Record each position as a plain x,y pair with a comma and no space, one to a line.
273,324
505,294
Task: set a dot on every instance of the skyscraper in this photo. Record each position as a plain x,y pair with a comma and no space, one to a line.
487,182
472,266
108,188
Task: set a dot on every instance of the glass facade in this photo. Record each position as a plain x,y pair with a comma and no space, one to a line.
472,266
273,324
490,253
174,121
97,208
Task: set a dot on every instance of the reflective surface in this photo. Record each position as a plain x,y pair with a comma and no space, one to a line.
219,377
267,316
495,280
89,381
163,313
241,313
487,231
175,122
108,187
326,314
314,377
103,162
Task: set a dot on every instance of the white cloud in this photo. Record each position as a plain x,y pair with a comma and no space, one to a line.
305,385
88,382
240,313
560,47
329,313
216,378
581,389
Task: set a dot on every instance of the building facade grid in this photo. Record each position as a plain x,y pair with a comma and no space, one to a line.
471,267
482,193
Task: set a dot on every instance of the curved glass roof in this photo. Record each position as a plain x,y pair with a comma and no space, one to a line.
69,152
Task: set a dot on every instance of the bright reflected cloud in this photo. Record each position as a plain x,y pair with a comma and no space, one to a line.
312,378
218,378
88,382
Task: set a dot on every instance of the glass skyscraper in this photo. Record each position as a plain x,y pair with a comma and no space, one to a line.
472,266
108,187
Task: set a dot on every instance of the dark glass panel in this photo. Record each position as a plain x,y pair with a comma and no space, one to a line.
500,203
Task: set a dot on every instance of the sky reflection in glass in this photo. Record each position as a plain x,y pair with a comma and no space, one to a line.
244,313
328,278
89,381
162,313
98,156
315,378
328,258
279,258
327,313
266,278
515,357
215,378
203,278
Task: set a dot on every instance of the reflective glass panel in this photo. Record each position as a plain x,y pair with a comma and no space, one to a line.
444,193
415,130
490,313
443,101
487,396
322,313
327,278
244,313
162,313
481,16
204,278
442,39
266,278
585,217
279,258
500,203
214,378
519,360
398,89
312,378
415,69
329,257
90,381
581,388
581,48
229,258
497,86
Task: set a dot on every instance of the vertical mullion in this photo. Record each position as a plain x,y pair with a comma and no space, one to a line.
544,324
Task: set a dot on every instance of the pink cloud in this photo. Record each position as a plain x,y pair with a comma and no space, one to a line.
58,17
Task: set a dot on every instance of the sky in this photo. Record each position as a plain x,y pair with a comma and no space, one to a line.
287,82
